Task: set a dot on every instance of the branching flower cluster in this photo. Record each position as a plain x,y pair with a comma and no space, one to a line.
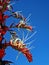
15,42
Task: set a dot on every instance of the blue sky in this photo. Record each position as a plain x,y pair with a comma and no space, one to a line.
40,19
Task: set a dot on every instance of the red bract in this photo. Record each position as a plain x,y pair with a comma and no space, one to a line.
3,30
26,52
2,53
24,26
3,17
0,38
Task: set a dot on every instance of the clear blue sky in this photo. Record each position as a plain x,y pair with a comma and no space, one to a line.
40,18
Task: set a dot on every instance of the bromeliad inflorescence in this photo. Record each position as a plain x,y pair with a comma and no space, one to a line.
15,42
